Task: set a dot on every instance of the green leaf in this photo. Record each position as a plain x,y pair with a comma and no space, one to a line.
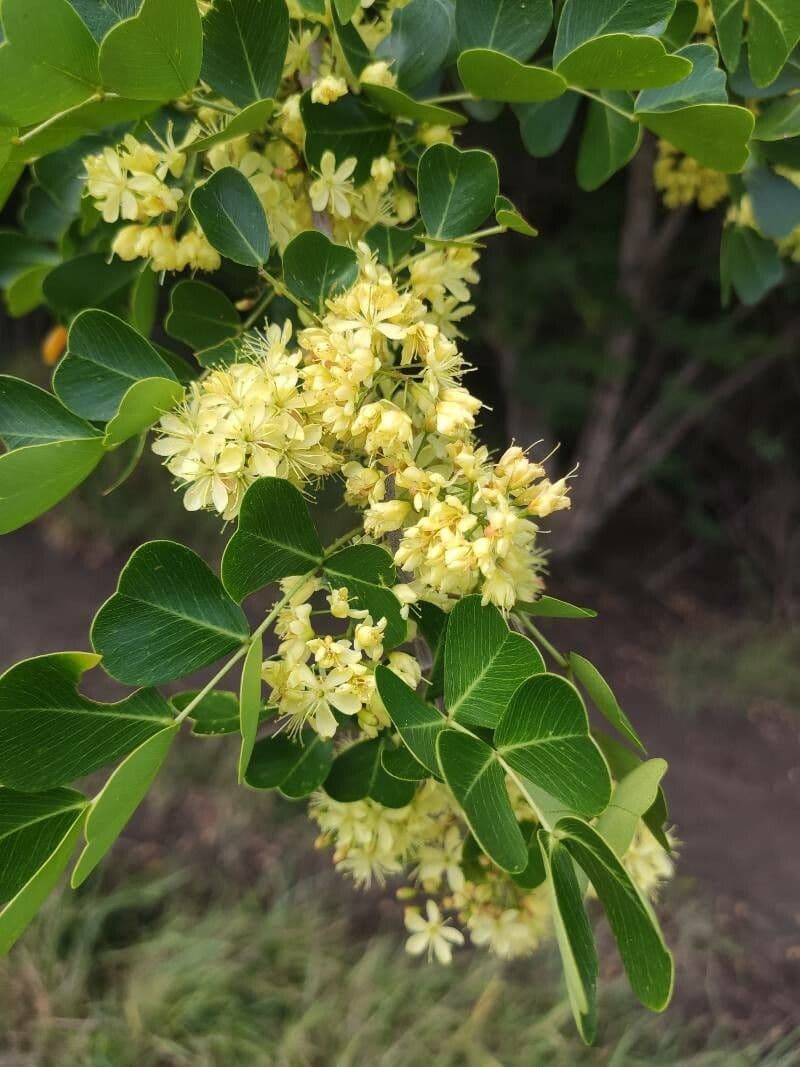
314,268
369,573
348,127
433,625
552,608
728,25
244,46
392,243
457,190
602,697
155,55
144,301
32,416
749,264
25,292
514,27
169,616
354,48
484,663
105,357
622,61
296,768
632,798
623,762
573,935
49,862
472,771
119,798
507,215
250,702
101,15
231,216
647,961
779,121
773,32
418,724
399,763
201,315
216,714
534,873
275,538
93,115
544,127
34,478
693,114
394,102
50,734
583,20
345,9
31,827
142,405
419,42
775,200
544,736
18,254
681,26
87,281
358,772
493,76
249,119
609,141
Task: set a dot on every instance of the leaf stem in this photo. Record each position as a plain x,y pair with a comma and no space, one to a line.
448,98
536,633
282,290
95,98
601,100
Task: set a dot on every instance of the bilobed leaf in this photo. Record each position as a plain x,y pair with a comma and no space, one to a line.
32,416
244,46
50,734
773,32
314,268
201,315
418,723
169,616
472,771
142,405
775,200
369,573
647,961
728,26
395,102
583,20
119,798
779,121
514,27
250,702
622,762
632,798
217,713
573,935
31,827
34,478
399,763
358,772
491,75
347,127
44,859
484,663
250,118
622,61
275,538
231,216
457,190
553,608
749,264
609,141
62,130
544,127
419,41
508,216
544,736
88,281
602,696
105,357
296,768
392,243
155,55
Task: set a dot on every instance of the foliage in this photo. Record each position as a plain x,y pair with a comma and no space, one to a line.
302,157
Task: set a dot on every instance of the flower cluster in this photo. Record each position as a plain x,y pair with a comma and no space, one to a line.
428,844
682,180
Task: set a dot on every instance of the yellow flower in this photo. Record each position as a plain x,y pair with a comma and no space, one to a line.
333,190
328,89
431,934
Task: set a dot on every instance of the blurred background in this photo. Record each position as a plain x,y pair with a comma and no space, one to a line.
215,934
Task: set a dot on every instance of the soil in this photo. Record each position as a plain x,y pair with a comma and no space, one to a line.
732,785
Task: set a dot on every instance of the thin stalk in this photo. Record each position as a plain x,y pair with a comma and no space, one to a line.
281,290
448,98
536,633
93,99
601,100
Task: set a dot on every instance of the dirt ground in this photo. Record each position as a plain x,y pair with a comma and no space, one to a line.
732,785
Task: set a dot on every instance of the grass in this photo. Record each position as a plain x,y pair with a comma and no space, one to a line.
216,936
739,667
